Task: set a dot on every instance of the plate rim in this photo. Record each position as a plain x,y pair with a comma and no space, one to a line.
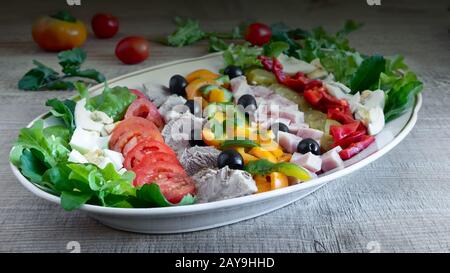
222,204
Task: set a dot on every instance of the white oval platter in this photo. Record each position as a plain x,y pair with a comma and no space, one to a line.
210,215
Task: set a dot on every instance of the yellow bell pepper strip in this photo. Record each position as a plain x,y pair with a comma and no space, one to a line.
273,147
219,95
247,157
193,89
263,154
285,157
209,138
278,180
261,183
245,143
201,74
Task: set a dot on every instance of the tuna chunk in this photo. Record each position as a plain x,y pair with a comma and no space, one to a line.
310,133
196,158
177,132
170,103
308,161
157,93
288,141
331,160
221,184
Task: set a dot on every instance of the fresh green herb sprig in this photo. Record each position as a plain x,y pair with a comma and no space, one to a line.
43,77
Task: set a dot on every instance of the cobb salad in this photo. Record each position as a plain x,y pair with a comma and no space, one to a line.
269,119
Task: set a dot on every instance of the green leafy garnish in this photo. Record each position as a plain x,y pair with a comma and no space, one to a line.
244,55
64,110
188,31
368,73
112,101
274,49
43,77
150,195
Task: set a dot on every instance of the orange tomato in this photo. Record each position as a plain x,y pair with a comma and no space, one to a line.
52,33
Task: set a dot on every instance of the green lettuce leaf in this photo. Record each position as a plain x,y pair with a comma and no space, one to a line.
150,195
112,101
64,110
244,55
368,73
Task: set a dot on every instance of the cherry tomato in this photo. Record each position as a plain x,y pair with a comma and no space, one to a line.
138,93
132,50
134,127
144,108
258,34
59,32
104,25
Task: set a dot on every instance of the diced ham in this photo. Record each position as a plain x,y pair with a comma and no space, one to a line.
308,161
331,160
294,116
262,92
310,133
267,123
294,127
240,87
288,141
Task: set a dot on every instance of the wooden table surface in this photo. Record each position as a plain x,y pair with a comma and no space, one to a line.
399,203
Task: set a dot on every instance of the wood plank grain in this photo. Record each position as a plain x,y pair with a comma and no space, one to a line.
401,202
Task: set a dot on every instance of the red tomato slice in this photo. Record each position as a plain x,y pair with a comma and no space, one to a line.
144,108
138,93
175,186
144,147
148,170
133,127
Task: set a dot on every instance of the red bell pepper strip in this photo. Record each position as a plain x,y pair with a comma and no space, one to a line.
339,115
356,148
353,138
339,132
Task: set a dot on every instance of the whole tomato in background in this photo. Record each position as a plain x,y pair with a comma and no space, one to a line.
59,32
104,25
132,50
258,34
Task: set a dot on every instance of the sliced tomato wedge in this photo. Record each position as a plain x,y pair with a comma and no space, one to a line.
144,108
138,93
144,147
148,170
175,186
127,129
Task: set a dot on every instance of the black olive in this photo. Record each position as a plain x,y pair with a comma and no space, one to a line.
194,107
233,71
277,127
308,145
177,85
230,158
246,101
196,139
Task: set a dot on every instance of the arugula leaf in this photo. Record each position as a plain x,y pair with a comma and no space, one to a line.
274,49
43,77
64,110
150,194
217,44
188,32
112,101
368,73
71,61
244,55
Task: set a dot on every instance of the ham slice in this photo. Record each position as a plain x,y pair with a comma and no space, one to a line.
288,141
331,160
308,161
310,133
